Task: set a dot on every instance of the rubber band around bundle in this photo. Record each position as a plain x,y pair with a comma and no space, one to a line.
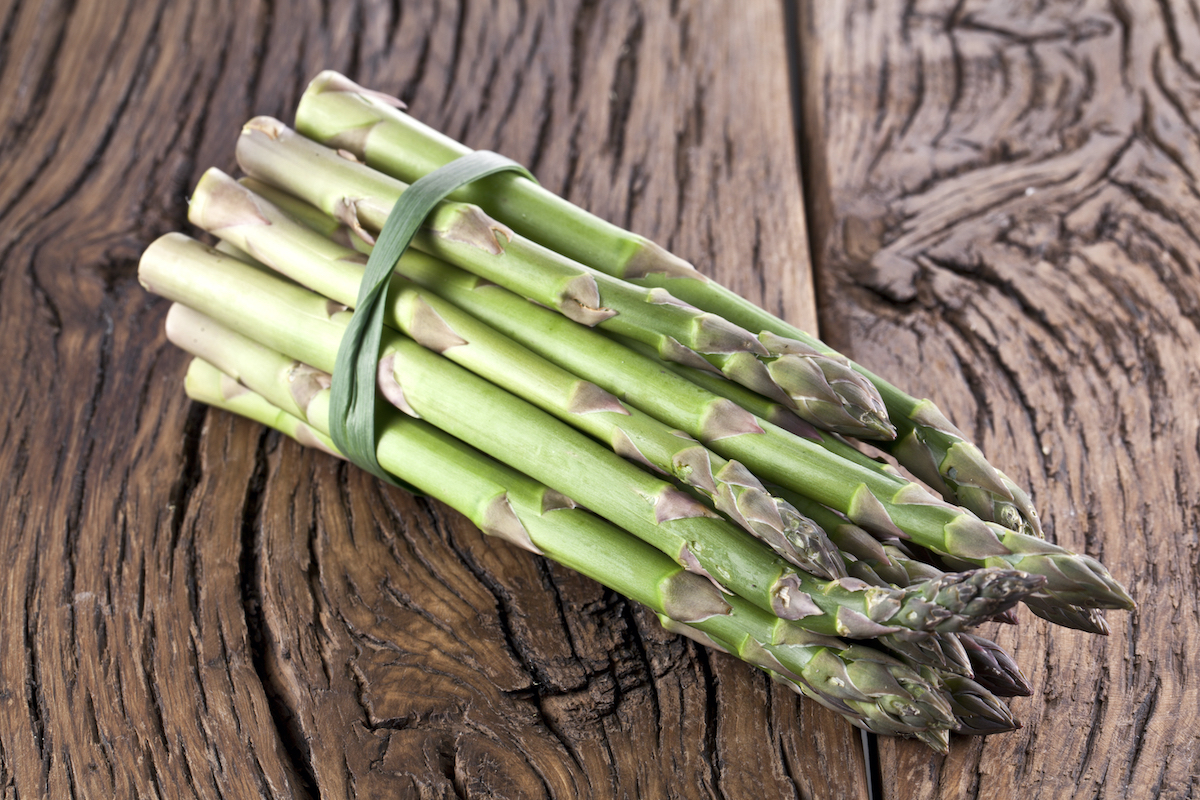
352,401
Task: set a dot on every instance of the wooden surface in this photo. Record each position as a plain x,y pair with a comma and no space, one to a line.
1003,216
1008,219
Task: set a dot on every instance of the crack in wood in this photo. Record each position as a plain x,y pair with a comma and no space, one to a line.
712,715
261,640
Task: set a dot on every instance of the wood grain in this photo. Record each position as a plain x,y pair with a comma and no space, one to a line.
1005,212
193,607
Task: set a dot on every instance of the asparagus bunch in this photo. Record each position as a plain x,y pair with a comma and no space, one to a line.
706,438
422,383
875,691
337,112
881,502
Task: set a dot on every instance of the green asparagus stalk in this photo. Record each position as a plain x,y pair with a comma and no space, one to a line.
286,317
873,691
907,569
878,501
848,537
209,385
762,407
308,215
226,208
823,390
339,113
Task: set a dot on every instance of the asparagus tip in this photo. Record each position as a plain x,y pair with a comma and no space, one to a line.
1080,618
959,599
994,668
976,710
938,740
877,427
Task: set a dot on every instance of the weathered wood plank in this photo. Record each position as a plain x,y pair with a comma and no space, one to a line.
1006,215
193,607
125,664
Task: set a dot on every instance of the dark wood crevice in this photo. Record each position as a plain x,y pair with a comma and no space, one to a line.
259,635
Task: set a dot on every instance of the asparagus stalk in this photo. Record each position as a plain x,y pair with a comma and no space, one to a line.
288,318
823,390
881,502
872,691
209,385
221,205
762,407
341,114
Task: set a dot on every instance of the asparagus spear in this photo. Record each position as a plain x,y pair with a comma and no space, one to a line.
286,317
341,114
876,500
221,205
823,390
762,407
870,690
207,384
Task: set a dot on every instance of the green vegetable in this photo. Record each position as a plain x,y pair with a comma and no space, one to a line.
305,326
338,113
823,390
872,690
537,361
